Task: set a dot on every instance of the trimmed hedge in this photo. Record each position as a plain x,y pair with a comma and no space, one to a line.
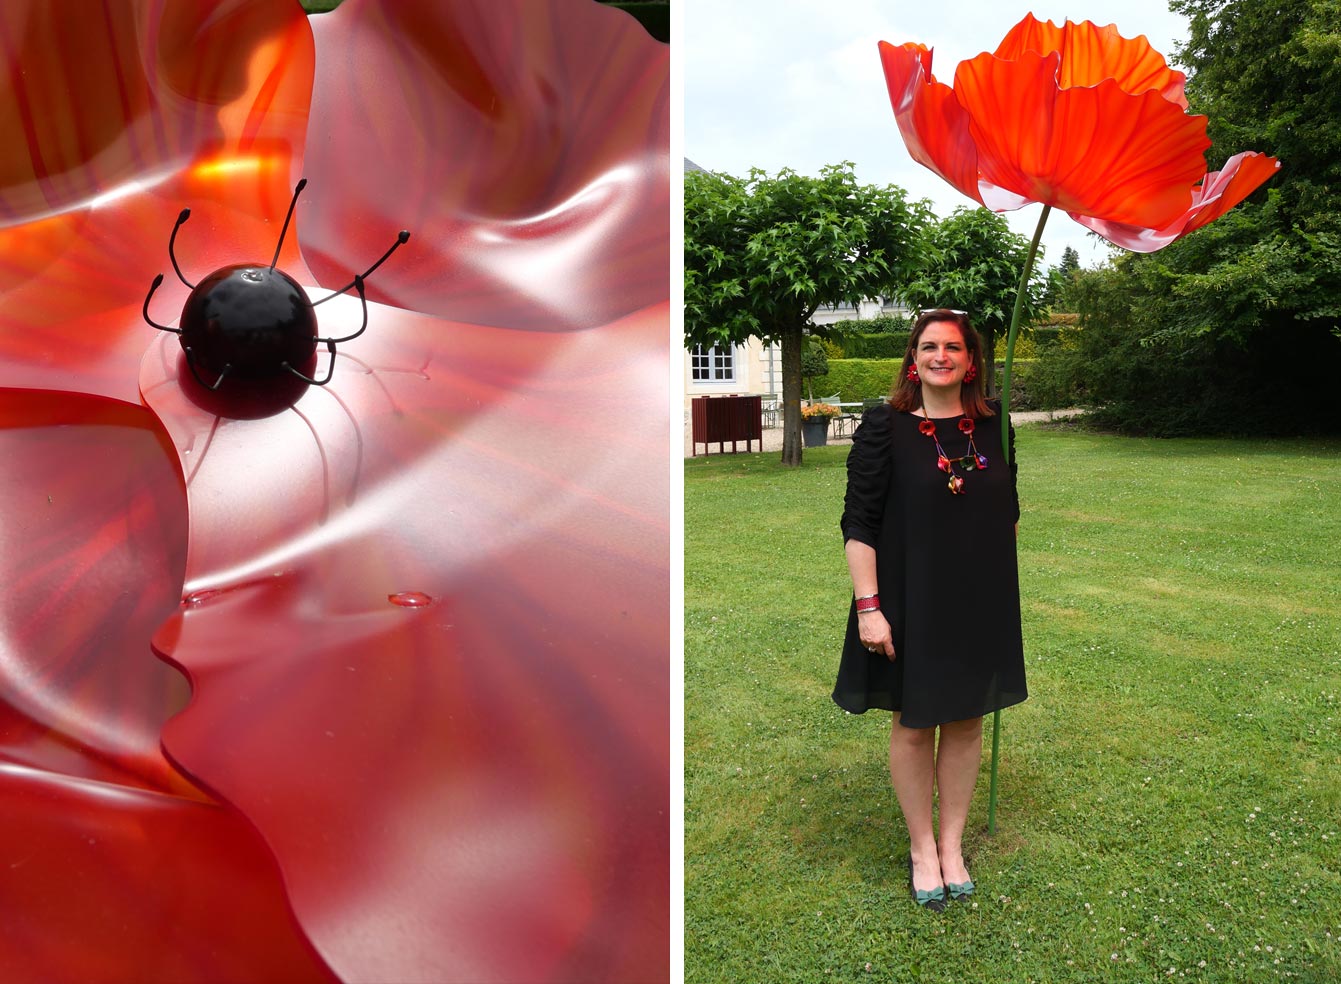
1035,384
883,325
858,379
889,345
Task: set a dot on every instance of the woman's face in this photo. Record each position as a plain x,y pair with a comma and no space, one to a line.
941,356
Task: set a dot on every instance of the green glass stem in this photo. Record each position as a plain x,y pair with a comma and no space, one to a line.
1005,454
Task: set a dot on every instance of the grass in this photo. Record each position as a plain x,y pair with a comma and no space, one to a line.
1170,793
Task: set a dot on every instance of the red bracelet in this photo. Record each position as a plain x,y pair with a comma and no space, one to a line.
868,603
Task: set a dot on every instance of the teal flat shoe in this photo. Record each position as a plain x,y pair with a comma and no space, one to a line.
960,891
932,899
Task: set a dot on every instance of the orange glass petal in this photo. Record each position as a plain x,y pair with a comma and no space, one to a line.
1221,191
1095,150
1076,117
117,124
1090,54
104,96
935,127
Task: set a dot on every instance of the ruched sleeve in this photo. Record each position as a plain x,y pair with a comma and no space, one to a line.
869,464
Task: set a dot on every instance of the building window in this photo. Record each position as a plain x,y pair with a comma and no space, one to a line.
713,365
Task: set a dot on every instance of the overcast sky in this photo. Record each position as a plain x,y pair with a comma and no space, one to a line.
798,84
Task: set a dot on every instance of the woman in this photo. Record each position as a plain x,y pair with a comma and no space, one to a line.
934,631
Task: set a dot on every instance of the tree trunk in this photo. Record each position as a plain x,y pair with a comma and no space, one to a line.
792,341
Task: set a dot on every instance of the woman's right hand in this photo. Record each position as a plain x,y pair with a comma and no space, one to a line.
874,632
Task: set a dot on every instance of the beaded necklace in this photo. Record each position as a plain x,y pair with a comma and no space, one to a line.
971,460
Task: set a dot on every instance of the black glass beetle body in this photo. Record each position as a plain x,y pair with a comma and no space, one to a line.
254,322
251,318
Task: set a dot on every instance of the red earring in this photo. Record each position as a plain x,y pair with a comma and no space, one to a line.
912,373
972,373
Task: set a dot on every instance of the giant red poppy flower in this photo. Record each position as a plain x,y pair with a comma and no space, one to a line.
1076,117
422,610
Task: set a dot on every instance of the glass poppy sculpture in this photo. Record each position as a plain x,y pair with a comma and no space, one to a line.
362,681
1074,117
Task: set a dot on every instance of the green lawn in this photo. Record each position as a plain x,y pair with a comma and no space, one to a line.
1170,794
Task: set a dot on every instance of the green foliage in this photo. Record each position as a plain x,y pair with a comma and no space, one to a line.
1034,342
1166,383
814,361
1049,382
1169,793
1057,286
883,324
873,346
832,350
1021,389
882,337
858,379
762,254
975,266
653,15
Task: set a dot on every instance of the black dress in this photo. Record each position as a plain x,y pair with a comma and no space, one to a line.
946,571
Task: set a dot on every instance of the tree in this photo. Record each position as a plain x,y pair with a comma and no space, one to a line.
1061,279
975,266
762,254
1269,75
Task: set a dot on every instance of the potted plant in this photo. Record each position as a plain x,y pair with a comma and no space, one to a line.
815,423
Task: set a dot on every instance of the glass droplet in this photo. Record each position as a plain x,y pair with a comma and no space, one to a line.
206,594
200,597
410,599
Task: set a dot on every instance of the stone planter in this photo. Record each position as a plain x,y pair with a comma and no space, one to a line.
815,432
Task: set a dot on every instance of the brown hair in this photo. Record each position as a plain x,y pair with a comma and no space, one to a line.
907,395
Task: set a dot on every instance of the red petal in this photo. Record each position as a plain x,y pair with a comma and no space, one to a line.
1090,54
113,94
524,143
1221,191
934,126
105,883
92,562
117,868
1094,151
496,759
